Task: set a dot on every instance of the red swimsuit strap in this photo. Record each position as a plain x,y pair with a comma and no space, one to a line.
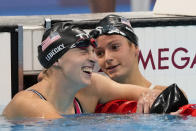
78,107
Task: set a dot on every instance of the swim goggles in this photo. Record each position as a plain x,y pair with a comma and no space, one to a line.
119,29
108,29
84,43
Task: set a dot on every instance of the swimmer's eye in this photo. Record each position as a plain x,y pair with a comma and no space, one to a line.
99,53
115,46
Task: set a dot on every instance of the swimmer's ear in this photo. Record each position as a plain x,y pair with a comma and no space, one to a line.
56,64
40,76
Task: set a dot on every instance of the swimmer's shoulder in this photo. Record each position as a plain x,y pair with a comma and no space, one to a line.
16,105
26,104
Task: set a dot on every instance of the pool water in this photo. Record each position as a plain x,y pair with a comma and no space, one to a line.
103,122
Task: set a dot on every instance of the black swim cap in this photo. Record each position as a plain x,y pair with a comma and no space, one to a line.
58,40
170,100
114,24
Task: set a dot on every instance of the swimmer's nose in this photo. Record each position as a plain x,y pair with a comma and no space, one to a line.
92,58
108,57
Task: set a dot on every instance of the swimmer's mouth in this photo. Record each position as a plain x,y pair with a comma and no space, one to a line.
112,67
87,69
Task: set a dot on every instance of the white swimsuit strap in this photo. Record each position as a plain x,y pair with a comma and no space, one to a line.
152,86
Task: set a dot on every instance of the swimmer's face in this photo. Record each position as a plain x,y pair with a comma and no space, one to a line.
116,57
78,64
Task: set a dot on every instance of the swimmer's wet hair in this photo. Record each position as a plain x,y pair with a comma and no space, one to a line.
114,24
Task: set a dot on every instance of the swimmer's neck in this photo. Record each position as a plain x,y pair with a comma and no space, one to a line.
60,93
136,78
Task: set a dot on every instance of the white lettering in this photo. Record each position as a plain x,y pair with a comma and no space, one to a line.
82,36
54,51
129,29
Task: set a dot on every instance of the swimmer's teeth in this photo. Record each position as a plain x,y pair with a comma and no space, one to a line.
88,69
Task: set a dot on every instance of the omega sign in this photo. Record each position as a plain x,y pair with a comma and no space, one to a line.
185,61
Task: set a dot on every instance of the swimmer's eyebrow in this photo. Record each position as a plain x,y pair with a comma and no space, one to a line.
116,41
99,49
110,43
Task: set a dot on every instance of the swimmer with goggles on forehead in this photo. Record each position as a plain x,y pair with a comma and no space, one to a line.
68,85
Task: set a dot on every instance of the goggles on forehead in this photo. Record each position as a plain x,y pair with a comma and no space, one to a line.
55,51
108,29
84,43
120,29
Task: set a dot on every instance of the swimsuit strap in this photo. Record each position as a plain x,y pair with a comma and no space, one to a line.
77,106
152,86
39,94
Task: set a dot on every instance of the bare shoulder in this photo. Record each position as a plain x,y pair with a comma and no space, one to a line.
15,105
25,104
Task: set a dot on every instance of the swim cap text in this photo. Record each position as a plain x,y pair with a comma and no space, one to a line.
54,51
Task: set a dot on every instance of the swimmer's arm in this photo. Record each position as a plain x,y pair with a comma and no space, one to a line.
21,108
108,89
160,87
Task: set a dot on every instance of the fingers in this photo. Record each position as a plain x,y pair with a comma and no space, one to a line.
140,105
143,105
177,112
146,107
146,100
